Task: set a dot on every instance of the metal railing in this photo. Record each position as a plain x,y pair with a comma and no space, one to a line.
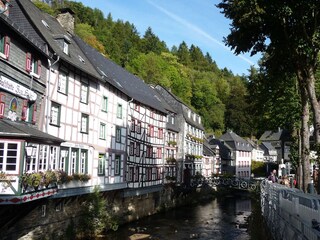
289,213
230,182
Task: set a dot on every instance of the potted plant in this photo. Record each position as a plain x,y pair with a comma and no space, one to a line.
61,177
49,178
84,177
25,181
36,180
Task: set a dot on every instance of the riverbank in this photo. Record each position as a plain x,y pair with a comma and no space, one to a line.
225,216
88,216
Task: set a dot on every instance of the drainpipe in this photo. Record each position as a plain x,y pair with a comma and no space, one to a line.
48,91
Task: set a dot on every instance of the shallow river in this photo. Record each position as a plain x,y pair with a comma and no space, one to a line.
233,217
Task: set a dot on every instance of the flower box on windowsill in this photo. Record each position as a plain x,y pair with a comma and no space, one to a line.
74,184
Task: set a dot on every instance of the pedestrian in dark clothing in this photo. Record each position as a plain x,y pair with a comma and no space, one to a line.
273,176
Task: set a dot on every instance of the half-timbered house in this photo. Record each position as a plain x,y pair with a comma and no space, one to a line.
24,149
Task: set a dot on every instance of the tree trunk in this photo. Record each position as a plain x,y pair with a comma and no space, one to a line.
309,80
305,138
299,173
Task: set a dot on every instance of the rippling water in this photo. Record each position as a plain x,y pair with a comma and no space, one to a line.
222,218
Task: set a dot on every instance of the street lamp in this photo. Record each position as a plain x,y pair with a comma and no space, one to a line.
30,151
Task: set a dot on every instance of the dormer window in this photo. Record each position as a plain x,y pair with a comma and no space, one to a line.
63,41
45,24
81,59
65,47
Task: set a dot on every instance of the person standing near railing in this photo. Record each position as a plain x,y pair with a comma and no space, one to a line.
273,176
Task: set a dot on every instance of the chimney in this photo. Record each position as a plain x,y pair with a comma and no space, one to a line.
66,19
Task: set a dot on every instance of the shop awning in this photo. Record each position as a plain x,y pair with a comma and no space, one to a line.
27,132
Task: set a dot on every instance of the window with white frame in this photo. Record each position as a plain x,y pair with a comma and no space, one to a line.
55,114
149,151
138,149
63,163
65,47
130,174
119,111
151,130
83,161
138,127
131,148
43,157
54,157
104,104
118,134
33,65
4,46
84,94
73,161
84,128
117,165
136,174
31,165
29,111
160,133
159,152
149,174
101,165
102,134
63,82
9,156
133,125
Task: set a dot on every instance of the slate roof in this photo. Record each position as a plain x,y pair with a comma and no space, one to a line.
34,40
275,135
236,142
267,147
253,144
50,34
224,148
207,150
175,126
22,130
177,105
123,80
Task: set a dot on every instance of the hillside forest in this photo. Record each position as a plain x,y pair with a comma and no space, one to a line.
247,105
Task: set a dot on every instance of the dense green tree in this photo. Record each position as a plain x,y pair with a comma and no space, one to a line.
151,43
212,65
44,7
95,217
188,73
198,60
205,100
183,54
287,28
236,116
85,31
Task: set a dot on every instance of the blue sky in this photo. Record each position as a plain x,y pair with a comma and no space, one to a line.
196,22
